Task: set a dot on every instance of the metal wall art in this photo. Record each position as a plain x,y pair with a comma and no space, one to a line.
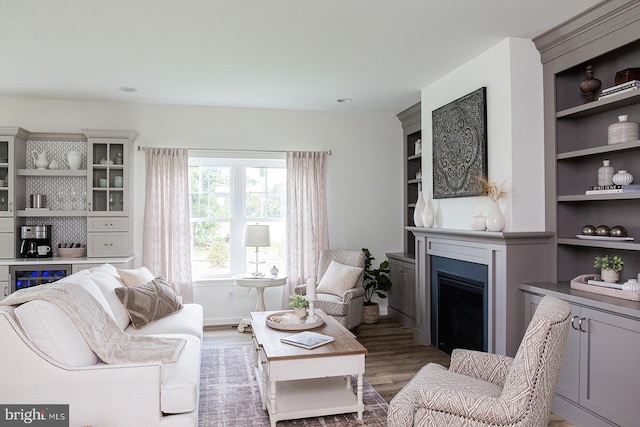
460,146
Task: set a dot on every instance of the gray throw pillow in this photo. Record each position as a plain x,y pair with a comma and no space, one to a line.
149,302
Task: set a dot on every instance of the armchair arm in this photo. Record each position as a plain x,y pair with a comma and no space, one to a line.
484,366
352,294
449,399
451,404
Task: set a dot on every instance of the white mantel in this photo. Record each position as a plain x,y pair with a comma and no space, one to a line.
511,257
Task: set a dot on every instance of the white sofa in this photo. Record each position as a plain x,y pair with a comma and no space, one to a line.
45,360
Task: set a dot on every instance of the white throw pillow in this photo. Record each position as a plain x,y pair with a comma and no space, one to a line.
51,330
135,276
107,283
338,279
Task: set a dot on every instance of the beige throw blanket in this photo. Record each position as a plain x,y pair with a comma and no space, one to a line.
105,338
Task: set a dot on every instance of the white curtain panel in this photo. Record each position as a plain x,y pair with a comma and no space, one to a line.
307,229
167,230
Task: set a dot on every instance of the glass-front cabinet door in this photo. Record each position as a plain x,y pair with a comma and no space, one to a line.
108,180
6,175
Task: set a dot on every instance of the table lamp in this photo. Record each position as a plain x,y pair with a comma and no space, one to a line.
257,236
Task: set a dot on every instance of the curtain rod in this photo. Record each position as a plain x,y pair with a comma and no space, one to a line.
235,150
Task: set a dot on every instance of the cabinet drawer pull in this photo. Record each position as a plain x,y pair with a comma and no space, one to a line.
108,224
573,325
107,244
582,319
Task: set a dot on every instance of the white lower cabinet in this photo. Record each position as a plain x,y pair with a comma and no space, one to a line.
104,245
599,380
107,237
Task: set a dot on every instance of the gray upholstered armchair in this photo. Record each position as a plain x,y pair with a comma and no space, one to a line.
482,389
347,307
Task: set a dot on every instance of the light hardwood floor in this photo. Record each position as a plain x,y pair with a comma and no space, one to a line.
393,357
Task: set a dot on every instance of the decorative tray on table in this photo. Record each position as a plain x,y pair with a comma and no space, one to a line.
275,321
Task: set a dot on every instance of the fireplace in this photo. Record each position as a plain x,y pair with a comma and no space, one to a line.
459,304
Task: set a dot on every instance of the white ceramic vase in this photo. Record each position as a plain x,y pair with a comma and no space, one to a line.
631,285
427,214
622,178
417,212
605,173
479,222
495,218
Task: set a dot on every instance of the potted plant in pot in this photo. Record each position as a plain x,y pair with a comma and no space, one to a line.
376,281
610,267
299,305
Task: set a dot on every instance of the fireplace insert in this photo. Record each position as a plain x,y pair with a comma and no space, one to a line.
459,293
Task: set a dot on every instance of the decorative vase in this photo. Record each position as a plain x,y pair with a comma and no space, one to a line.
590,85
418,147
495,218
623,131
370,313
427,214
479,222
605,173
631,285
622,178
417,212
609,276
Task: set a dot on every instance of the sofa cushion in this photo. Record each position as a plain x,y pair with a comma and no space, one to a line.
186,321
107,281
180,380
88,284
149,302
135,276
338,278
51,330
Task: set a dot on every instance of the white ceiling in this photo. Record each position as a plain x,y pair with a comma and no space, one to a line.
294,54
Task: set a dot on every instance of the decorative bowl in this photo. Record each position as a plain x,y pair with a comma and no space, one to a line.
479,222
72,252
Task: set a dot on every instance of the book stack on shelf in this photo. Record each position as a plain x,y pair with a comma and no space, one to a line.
612,189
619,89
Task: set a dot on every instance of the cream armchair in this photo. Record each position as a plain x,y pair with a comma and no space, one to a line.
482,389
347,308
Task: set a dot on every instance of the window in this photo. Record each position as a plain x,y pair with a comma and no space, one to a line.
225,195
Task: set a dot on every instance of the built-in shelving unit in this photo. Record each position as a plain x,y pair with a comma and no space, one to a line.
411,126
593,379
580,146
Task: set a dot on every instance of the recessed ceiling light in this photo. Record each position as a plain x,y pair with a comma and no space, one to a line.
127,89
345,100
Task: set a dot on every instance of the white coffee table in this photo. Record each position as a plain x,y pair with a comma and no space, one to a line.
299,383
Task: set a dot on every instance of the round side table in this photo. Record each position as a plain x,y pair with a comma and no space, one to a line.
259,283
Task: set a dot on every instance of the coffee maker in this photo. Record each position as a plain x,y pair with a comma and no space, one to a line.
36,241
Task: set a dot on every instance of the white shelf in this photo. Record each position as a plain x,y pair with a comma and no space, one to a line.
51,172
47,213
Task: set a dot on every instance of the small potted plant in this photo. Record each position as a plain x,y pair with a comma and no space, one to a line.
610,267
376,281
299,305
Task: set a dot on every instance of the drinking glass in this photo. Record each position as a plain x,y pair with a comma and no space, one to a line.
59,199
74,197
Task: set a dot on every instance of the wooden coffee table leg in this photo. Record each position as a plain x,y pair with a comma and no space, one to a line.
360,404
272,403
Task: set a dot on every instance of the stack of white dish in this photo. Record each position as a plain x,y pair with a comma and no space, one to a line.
623,131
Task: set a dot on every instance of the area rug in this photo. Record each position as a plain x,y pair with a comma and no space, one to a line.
230,397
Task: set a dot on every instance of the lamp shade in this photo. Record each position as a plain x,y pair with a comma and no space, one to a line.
256,235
